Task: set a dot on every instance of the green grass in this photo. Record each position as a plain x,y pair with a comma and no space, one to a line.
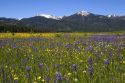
58,52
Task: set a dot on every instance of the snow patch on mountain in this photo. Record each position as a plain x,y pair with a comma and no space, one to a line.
112,15
50,16
83,13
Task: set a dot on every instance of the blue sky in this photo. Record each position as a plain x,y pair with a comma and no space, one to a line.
28,8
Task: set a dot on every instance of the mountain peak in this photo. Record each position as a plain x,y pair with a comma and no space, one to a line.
83,13
50,16
112,15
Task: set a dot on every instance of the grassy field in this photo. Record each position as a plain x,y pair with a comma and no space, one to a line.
62,58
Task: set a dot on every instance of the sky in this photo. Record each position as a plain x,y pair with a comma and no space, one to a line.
29,8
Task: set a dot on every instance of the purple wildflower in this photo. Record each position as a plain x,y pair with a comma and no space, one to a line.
28,68
78,49
74,67
35,49
40,65
106,62
57,65
90,61
51,45
47,79
91,70
59,44
68,46
58,76
89,48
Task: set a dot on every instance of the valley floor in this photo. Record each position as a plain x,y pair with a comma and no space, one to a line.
62,57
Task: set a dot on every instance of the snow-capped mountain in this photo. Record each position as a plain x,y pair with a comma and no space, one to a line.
112,15
50,16
83,13
78,21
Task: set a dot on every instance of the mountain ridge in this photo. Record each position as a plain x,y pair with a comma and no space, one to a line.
80,21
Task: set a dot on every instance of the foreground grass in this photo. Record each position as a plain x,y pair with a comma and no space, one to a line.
62,58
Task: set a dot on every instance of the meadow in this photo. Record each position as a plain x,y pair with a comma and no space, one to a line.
62,58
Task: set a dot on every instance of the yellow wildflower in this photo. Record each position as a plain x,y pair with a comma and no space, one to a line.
69,74
43,80
84,71
12,71
39,77
35,82
81,61
15,77
76,80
